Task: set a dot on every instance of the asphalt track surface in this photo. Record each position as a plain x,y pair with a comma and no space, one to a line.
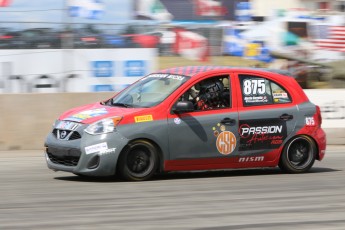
33,197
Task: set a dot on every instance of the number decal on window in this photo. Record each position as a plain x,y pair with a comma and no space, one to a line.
254,87
261,86
247,87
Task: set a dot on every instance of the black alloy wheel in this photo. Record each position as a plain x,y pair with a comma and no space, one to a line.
139,161
298,155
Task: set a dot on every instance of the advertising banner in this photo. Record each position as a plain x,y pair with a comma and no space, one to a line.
78,70
91,9
236,45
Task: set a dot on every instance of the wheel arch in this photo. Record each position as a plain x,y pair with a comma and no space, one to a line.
302,135
302,158
158,148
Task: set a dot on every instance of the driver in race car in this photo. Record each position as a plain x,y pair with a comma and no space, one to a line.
210,95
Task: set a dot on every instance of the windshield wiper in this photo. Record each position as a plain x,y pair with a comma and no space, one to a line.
122,105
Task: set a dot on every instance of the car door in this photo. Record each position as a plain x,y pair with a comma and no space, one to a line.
204,133
267,115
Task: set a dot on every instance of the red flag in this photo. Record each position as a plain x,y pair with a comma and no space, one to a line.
4,3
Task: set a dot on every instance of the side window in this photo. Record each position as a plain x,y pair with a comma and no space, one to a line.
261,91
280,95
208,94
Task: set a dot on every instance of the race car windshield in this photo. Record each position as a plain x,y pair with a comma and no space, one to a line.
149,91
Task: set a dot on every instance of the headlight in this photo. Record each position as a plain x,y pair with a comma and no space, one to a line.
106,125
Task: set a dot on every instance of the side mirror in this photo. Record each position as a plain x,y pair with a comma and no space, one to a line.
183,107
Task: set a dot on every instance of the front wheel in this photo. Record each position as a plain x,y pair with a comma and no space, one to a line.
139,161
298,155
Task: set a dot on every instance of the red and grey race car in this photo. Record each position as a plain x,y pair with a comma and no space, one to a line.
191,118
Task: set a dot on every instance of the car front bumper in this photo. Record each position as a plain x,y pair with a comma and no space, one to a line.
90,155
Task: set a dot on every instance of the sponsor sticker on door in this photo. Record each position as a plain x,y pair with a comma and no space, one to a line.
226,142
259,133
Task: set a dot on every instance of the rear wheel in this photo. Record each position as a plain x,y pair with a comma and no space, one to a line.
139,161
298,155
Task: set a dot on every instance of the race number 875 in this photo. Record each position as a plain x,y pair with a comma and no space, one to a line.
254,87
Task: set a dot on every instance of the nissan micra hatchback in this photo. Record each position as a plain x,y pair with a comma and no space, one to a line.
191,118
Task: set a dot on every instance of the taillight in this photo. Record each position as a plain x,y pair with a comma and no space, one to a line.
318,113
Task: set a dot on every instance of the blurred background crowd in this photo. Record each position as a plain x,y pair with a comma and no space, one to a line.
306,37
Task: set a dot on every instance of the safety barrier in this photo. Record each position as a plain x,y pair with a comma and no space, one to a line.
26,119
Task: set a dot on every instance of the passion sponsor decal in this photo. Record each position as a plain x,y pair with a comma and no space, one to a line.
144,118
226,140
87,114
96,148
261,134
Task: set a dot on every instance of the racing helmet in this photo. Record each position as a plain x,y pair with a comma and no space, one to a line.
211,90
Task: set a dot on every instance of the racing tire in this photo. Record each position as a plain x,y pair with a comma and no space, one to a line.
298,155
139,161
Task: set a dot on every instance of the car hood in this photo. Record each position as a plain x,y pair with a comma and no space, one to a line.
90,113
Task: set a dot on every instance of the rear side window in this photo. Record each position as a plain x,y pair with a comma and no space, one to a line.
261,91
280,95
